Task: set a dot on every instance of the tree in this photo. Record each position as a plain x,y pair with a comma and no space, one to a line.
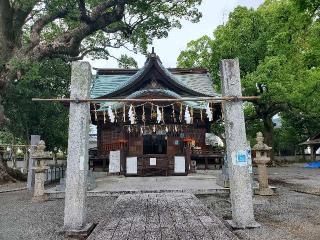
270,44
33,30
127,62
46,79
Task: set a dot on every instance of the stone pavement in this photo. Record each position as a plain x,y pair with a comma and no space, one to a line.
161,216
192,183
204,183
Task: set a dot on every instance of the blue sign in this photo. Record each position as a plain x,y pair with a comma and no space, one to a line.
240,158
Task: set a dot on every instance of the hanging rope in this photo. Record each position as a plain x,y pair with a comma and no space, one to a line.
173,114
159,115
191,115
143,115
104,117
95,112
187,116
209,112
157,112
111,114
180,116
124,113
162,115
116,115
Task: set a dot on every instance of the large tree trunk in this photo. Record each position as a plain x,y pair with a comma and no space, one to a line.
268,133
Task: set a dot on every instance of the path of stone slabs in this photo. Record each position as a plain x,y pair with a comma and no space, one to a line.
161,216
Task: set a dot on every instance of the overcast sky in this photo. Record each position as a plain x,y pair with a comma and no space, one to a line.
215,12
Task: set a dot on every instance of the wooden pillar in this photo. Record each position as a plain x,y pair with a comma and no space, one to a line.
206,163
313,152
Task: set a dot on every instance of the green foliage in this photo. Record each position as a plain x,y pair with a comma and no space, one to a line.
277,46
144,21
47,79
127,62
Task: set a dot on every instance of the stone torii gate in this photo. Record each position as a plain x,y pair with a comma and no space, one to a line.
77,161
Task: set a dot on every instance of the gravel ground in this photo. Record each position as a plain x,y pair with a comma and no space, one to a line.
21,219
288,216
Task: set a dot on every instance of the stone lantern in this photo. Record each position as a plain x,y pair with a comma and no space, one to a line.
39,156
261,159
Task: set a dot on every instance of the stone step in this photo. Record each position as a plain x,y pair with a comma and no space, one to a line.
54,194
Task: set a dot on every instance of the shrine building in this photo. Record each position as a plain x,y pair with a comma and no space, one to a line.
148,137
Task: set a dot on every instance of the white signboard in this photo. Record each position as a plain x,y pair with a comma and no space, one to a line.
153,161
114,162
240,158
132,165
179,164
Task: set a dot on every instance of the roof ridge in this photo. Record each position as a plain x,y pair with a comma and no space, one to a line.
119,71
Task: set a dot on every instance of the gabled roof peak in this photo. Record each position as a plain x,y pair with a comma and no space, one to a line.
188,82
153,57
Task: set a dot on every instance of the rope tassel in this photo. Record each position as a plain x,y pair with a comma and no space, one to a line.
209,112
180,116
187,116
124,113
111,114
104,117
95,112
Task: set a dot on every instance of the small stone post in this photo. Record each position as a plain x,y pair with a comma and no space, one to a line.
35,139
261,160
236,146
78,143
39,170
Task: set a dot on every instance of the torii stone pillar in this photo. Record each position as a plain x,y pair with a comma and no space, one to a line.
236,146
78,143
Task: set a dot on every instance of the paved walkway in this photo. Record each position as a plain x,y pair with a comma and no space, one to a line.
161,216
191,183
200,183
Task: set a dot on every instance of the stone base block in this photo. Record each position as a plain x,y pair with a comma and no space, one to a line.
79,233
223,183
42,198
264,192
233,225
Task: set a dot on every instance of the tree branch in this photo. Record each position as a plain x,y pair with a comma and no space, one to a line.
6,15
41,23
82,55
275,108
83,12
69,42
21,14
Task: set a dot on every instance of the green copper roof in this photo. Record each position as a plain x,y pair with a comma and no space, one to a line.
105,84
109,82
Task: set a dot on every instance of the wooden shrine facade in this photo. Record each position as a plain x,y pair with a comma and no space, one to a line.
148,137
